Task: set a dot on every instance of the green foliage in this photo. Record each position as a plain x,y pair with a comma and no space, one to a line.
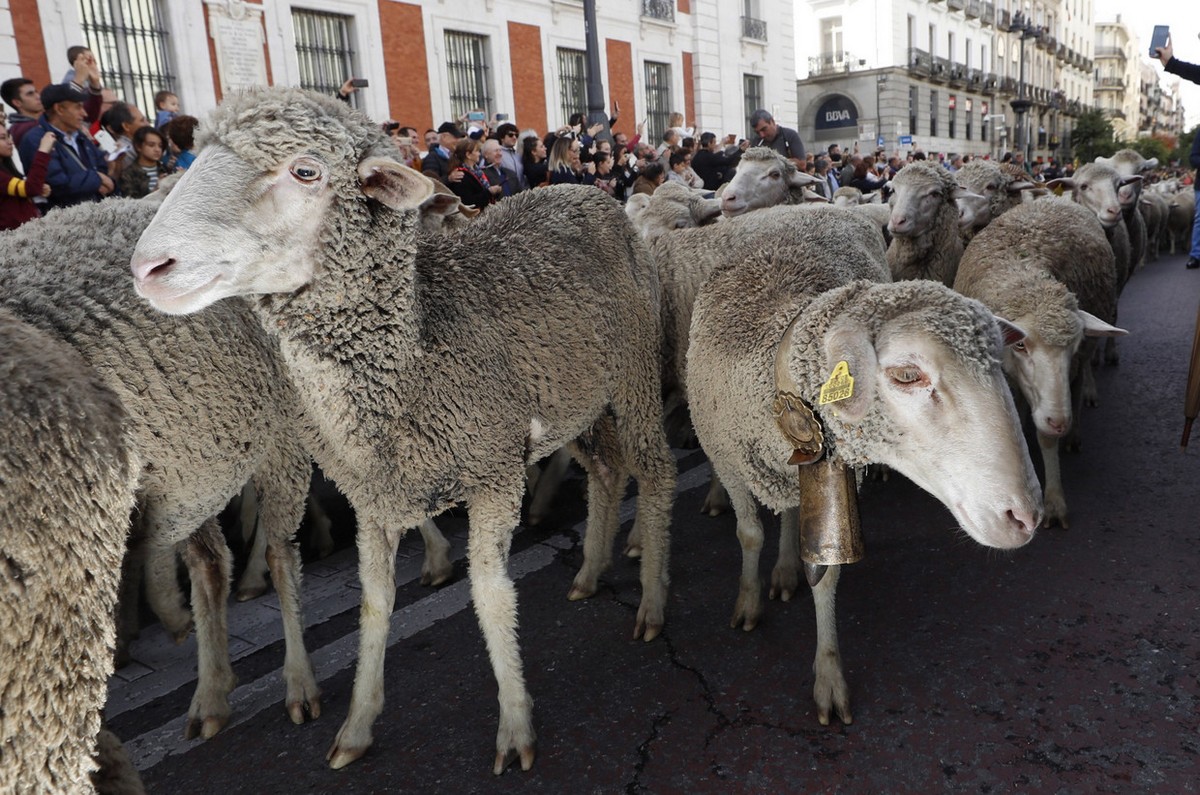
1151,147
1184,150
1093,137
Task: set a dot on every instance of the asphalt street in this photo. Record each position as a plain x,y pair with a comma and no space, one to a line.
1068,666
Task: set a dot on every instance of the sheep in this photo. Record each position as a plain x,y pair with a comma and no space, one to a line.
1001,187
432,366
212,407
671,206
68,470
1048,268
1129,163
1154,209
928,396
847,196
764,178
924,224
1180,215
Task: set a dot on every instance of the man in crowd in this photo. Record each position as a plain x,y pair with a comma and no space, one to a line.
828,175
78,171
783,140
713,165
510,158
22,96
436,164
495,169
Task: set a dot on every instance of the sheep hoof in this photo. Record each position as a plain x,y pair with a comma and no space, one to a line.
633,551
505,758
180,635
842,710
301,711
578,592
205,729
647,630
339,756
747,611
245,594
433,579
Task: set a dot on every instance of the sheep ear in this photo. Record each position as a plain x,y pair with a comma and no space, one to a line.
800,179
1010,332
1106,161
636,203
871,198
1130,180
393,184
1066,183
1149,165
1017,187
441,204
1095,327
850,344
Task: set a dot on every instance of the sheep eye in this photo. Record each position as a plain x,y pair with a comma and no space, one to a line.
1083,187
1019,347
306,171
907,376
774,175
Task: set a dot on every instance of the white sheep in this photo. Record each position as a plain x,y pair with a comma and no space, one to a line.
928,396
1127,163
211,407
1181,214
1154,208
992,190
764,178
432,367
68,470
924,224
1047,267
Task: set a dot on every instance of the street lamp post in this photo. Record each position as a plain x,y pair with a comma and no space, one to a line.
595,89
1021,104
880,82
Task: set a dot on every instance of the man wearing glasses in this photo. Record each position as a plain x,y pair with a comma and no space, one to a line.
510,158
783,140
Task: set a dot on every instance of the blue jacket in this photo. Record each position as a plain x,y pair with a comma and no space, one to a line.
73,179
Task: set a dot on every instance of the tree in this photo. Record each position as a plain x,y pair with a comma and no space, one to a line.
1151,147
1184,149
1093,136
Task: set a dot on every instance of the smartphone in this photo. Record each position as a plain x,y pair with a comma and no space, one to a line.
360,82
475,115
404,140
501,117
1162,34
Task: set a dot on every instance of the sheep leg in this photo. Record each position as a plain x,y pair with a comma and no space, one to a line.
1087,379
604,481
1111,356
644,448
162,589
283,487
547,486
253,583
437,568
322,526
785,577
377,573
129,619
829,681
716,502
209,565
495,598
1054,501
748,608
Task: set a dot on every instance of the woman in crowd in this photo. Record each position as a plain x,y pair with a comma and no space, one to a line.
474,188
16,193
565,165
650,178
533,158
864,177
140,178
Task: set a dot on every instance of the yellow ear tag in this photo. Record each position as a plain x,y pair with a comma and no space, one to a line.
839,386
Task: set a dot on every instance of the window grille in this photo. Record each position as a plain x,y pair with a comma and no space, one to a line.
933,103
467,73
658,99
572,82
131,44
752,92
912,110
952,115
323,51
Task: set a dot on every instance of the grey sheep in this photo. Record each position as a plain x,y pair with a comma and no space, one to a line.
68,470
1129,163
1001,187
764,178
434,367
211,407
924,224
1181,212
928,397
1047,267
1154,208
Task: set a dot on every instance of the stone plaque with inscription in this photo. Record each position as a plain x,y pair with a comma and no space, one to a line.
238,35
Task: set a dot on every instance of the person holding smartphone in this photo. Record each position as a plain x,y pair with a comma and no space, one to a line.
1187,71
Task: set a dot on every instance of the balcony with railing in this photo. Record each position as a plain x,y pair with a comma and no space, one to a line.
989,82
974,79
661,10
1114,113
974,9
919,62
836,63
1108,51
988,17
1004,19
956,5
1061,52
940,70
1110,82
1008,85
755,29
956,74
1045,41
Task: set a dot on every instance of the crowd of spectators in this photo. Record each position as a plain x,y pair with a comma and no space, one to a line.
76,141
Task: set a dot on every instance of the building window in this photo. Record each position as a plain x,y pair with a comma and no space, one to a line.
831,39
467,73
933,102
753,25
752,93
323,51
912,110
131,43
658,99
984,122
952,113
969,117
572,82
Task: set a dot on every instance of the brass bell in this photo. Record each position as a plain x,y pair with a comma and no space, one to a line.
830,532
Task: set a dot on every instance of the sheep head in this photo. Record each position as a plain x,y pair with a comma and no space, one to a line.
1000,186
1096,187
921,193
282,176
671,206
764,178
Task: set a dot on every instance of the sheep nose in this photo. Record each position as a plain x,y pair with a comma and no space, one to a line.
1023,522
1056,426
145,268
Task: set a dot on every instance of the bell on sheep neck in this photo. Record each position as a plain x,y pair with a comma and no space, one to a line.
830,533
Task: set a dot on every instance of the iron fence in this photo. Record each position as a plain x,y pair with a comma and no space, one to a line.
132,45
467,73
323,51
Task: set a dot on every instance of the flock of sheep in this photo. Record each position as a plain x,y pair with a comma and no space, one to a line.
419,356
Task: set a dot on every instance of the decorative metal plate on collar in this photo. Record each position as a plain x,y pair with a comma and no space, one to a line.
800,427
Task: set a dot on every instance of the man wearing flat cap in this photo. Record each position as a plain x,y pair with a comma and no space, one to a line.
78,172
437,164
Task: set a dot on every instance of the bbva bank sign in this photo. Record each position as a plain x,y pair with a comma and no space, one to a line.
836,112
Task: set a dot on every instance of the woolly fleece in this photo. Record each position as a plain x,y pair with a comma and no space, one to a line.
934,252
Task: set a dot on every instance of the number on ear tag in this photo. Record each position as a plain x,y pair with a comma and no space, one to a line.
839,386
